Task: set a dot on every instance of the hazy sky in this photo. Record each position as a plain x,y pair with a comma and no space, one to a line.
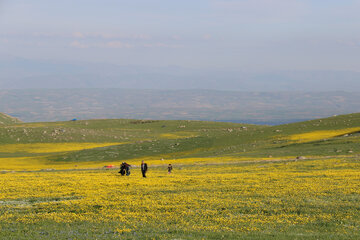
225,34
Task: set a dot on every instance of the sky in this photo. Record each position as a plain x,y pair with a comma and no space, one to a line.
254,35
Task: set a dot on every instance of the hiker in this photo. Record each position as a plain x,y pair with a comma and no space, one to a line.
122,169
127,169
169,168
144,168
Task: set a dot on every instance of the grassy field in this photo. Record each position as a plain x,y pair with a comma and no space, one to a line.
309,199
95,142
230,181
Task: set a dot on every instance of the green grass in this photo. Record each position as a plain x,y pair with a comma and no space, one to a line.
7,120
200,139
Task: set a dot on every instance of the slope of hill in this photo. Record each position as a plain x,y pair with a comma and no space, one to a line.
7,120
97,142
334,136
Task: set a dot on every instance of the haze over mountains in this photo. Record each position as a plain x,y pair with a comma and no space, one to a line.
20,73
235,106
35,90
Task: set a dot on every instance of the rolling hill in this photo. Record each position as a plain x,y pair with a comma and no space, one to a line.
230,181
93,143
6,119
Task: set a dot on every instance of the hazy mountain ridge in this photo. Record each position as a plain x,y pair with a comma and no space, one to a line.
248,107
19,73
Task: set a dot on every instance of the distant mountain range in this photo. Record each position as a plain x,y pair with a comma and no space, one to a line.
19,73
234,106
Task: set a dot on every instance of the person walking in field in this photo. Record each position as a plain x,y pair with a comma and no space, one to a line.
170,168
144,168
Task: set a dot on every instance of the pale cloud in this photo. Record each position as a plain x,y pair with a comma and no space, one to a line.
175,37
112,44
85,41
4,40
120,36
48,35
258,10
112,36
77,44
78,35
117,44
349,43
162,45
206,36
225,33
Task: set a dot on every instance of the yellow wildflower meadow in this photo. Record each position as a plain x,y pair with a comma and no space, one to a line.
52,147
178,135
323,134
313,197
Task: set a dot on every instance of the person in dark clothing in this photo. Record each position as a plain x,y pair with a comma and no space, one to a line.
144,168
127,169
169,168
122,169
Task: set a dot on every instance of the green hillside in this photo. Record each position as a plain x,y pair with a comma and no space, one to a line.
117,140
7,120
60,180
